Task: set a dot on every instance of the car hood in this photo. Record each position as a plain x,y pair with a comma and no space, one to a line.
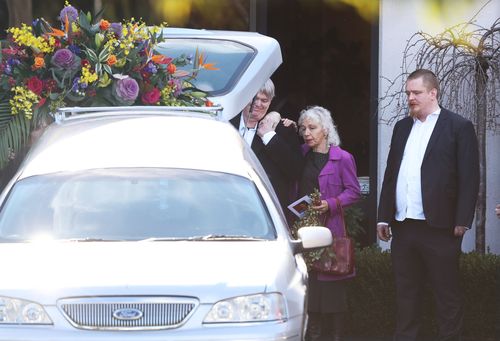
208,270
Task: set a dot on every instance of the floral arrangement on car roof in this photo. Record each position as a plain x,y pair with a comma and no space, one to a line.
87,62
94,64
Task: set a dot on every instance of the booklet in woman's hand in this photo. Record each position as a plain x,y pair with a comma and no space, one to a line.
299,206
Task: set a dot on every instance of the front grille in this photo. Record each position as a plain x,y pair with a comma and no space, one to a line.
137,313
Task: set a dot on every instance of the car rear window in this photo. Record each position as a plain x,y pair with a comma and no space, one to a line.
134,204
230,59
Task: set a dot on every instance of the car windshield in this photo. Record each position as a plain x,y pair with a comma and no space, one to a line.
230,58
139,204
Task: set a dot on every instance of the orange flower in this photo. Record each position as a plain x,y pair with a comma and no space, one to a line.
111,60
171,68
207,66
104,24
56,33
160,59
39,63
208,103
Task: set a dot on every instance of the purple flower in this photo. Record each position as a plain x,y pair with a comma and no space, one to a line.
74,86
126,90
75,49
177,86
151,68
64,59
70,12
117,28
13,62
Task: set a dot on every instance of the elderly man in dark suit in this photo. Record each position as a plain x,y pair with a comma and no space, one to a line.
277,148
427,202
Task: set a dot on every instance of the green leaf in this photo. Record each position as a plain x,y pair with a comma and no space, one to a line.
107,68
14,132
198,94
85,25
91,55
84,21
104,54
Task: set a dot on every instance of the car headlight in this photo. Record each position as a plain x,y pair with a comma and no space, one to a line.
253,308
16,311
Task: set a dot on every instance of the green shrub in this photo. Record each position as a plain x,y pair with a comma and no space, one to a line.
372,296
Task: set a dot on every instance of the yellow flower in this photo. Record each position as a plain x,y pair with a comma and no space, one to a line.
23,101
167,96
88,77
24,37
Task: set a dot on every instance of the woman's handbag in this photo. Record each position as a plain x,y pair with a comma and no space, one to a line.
338,258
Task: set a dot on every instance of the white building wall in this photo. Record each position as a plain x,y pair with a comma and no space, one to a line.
399,20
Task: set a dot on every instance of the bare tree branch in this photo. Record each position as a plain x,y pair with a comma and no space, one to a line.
466,59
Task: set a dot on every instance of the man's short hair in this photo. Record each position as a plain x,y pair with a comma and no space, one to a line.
429,78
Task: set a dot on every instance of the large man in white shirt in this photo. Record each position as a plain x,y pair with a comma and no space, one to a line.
427,202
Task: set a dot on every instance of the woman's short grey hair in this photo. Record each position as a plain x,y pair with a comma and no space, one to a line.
268,89
323,117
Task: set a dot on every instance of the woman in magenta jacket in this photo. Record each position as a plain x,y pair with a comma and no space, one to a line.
333,171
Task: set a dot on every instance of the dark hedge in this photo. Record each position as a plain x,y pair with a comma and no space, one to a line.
372,296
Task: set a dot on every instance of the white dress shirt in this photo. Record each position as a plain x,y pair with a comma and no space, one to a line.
408,186
249,133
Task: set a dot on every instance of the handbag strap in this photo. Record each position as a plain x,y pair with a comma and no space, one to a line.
341,214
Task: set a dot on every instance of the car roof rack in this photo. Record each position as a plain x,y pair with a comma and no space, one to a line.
70,113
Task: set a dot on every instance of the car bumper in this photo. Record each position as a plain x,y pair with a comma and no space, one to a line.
290,330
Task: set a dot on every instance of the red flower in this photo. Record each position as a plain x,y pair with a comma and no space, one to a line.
9,51
35,84
85,63
145,75
50,85
151,97
171,68
208,103
41,102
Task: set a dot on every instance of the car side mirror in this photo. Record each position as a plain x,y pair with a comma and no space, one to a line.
313,237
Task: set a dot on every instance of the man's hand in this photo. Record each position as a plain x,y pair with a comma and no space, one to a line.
459,231
265,126
384,232
288,122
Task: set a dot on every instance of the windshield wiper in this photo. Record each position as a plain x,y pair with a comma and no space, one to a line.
201,238
161,239
88,239
224,237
